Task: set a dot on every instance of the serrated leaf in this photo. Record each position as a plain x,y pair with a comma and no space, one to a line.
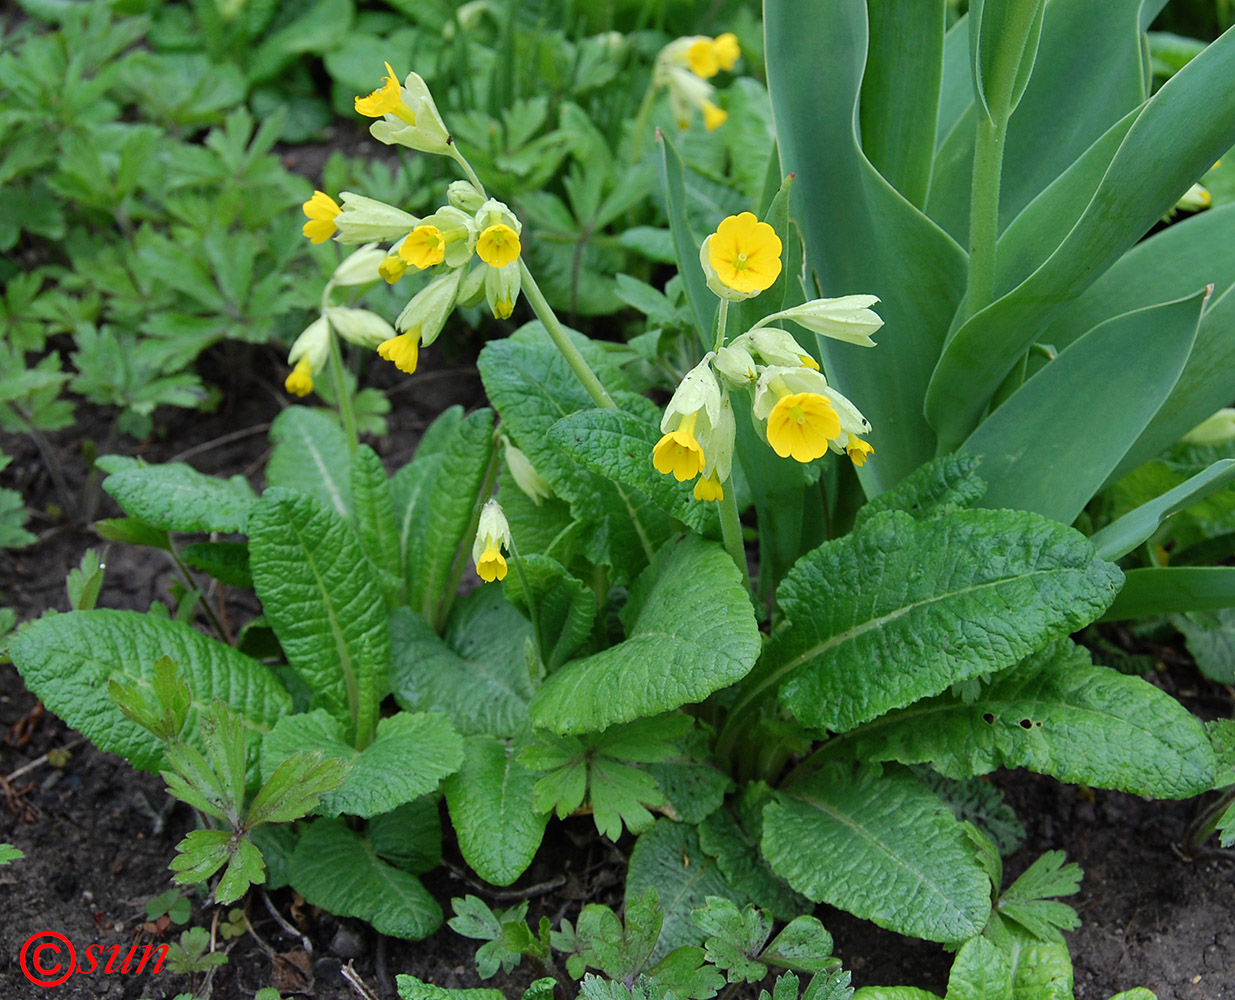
177,497
68,659
894,593
882,847
1059,715
9,854
803,945
311,456
409,755
477,674
685,973
491,808
668,858
1028,900
320,597
618,793
337,869
690,630
295,787
734,938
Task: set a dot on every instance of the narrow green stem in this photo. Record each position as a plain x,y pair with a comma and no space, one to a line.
722,324
460,159
189,582
641,124
984,212
532,613
731,531
557,333
437,613
344,397
1206,821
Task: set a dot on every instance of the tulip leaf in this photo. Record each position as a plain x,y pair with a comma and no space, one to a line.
1169,590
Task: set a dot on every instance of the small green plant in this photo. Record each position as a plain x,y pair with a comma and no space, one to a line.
191,955
9,854
171,904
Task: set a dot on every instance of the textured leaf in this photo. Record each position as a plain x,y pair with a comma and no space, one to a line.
802,945
668,859
411,988
1210,638
311,456
227,562
690,630
375,520
177,497
980,972
1047,448
1055,714
490,801
411,753
336,869
734,937
409,837
882,847
565,605
478,675
68,659
948,483
319,595
966,594
694,784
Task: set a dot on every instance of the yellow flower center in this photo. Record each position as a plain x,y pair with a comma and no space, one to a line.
300,381
498,245
801,425
402,351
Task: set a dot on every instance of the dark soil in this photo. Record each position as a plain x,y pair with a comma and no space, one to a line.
98,836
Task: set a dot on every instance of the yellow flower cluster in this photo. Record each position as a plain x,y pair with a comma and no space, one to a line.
684,68
801,415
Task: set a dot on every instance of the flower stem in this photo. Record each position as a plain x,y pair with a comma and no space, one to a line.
460,159
730,526
984,212
557,333
344,397
641,124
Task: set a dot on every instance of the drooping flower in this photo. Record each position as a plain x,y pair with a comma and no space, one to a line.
727,50
498,244
777,347
717,440
524,473
322,210
359,326
360,267
308,357
848,318
745,253
392,268
692,411
407,115
423,247
502,286
492,535
858,450
421,321
403,351
702,59
365,220
805,416
386,100
713,116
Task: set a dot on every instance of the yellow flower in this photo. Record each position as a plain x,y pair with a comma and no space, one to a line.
492,534
709,488
801,425
678,453
423,247
745,253
300,381
402,351
727,50
386,100
321,210
857,450
498,245
392,268
702,58
713,117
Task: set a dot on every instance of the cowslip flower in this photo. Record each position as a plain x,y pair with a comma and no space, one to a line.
848,318
308,357
498,244
524,473
718,441
492,535
703,56
406,114
322,211
777,347
359,326
744,254
367,220
692,411
805,416
421,321
502,286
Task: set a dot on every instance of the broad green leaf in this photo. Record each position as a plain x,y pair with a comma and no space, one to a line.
565,605
690,630
895,993
478,674
409,837
882,847
1047,448
411,988
1055,714
889,248
1174,138
1003,44
177,497
319,594
980,972
311,456
698,297
410,754
900,93
227,562
668,859
948,483
1210,638
375,520
843,661
490,800
1168,590
68,659
1120,537
1041,970
337,869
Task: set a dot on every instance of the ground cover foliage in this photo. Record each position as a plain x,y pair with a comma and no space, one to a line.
897,429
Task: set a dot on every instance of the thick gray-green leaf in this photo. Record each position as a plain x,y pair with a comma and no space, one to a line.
478,674
1048,449
1056,714
1169,589
68,659
490,801
311,456
690,630
411,753
375,520
319,595
565,605
881,846
900,610
668,858
177,497
948,483
337,869
889,249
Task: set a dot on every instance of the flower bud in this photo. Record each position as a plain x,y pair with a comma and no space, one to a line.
360,268
848,318
363,220
359,326
463,195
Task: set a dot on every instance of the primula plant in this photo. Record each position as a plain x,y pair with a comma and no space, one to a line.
887,385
